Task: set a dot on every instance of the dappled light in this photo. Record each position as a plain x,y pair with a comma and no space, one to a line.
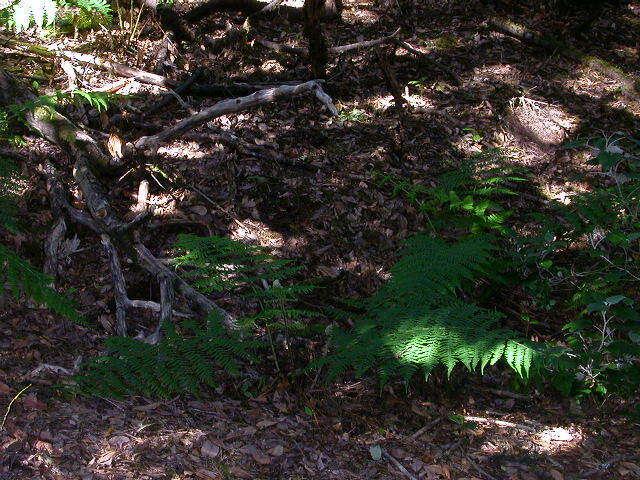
319,239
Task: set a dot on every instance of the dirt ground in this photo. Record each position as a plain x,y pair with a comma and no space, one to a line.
306,185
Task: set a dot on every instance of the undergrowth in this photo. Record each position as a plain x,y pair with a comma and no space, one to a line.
439,307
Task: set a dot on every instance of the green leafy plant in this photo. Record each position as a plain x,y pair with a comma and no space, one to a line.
21,14
220,264
584,257
190,353
419,319
184,361
469,195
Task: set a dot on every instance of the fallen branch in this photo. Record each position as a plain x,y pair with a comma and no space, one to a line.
363,44
104,220
119,286
199,302
301,51
499,423
629,83
233,105
52,247
166,311
168,99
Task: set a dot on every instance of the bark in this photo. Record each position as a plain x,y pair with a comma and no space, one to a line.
104,220
233,105
318,56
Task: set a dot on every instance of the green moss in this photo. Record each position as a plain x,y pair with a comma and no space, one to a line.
446,42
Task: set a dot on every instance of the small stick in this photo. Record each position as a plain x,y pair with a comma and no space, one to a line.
425,428
6,413
166,310
398,465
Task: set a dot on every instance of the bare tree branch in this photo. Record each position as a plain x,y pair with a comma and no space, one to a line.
233,105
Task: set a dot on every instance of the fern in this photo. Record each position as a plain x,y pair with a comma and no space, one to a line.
42,13
184,361
186,358
417,320
217,264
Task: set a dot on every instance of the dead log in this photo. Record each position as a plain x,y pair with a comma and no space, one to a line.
629,83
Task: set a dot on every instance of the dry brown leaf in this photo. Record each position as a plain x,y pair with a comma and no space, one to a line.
556,474
4,388
239,472
30,401
149,406
207,474
114,145
209,449
276,451
199,209
265,423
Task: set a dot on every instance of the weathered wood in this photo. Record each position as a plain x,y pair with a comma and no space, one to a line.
233,105
198,301
119,287
104,220
52,247
350,47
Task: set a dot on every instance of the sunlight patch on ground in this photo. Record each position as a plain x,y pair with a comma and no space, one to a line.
254,231
557,439
418,103
541,122
182,150
501,73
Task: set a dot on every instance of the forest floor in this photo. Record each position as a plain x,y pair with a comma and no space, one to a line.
308,187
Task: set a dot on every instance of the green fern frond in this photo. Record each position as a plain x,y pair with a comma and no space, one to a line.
416,322
184,361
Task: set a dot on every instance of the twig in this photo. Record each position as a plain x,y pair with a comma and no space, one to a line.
428,426
398,465
454,76
500,423
350,47
166,303
184,86
6,413
47,367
